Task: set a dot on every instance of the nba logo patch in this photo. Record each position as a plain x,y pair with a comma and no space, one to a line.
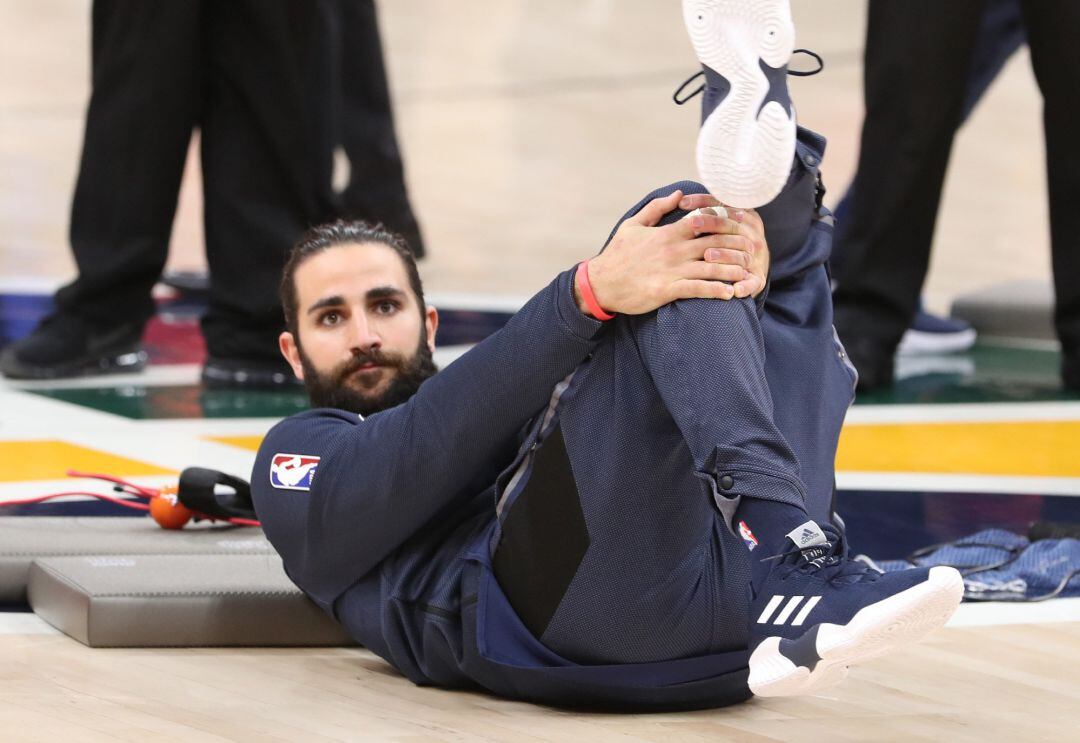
747,535
293,471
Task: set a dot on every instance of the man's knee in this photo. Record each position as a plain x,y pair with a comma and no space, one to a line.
687,187
737,311
725,325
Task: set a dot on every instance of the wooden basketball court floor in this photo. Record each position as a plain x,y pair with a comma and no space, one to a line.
527,128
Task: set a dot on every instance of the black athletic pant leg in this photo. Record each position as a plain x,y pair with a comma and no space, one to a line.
376,189
267,149
1054,36
917,65
143,106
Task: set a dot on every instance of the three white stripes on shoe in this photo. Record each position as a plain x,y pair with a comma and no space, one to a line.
788,610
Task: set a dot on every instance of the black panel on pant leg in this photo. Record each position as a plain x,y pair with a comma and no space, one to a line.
544,538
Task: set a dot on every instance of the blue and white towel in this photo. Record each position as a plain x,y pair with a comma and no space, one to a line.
1000,565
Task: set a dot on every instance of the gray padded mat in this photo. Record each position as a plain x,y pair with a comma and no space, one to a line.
24,538
177,601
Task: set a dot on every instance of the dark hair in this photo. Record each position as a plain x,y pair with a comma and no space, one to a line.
342,232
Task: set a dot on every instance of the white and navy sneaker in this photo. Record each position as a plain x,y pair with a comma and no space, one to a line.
819,612
747,138
931,334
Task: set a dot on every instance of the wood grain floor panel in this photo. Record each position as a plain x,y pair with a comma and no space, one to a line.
967,684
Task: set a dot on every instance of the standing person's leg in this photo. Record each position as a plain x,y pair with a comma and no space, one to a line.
1001,33
1053,26
266,149
917,66
376,190
143,106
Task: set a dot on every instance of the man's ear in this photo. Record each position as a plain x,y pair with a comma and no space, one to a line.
291,352
431,324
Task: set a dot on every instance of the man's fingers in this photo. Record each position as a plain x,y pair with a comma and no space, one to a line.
749,287
701,248
654,211
752,218
715,271
693,201
731,256
708,224
700,289
702,245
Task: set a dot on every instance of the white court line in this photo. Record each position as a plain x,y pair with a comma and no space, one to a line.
24,416
992,412
208,426
995,613
175,451
933,482
155,375
164,375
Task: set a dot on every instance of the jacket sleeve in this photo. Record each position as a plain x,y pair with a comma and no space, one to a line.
380,479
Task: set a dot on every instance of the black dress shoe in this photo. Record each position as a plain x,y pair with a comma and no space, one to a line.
65,345
249,374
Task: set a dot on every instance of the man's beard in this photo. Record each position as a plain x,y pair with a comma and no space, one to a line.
336,388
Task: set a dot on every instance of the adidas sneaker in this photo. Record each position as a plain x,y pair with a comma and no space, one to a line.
747,138
818,612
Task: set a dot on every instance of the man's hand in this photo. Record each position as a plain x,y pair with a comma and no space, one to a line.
710,257
752,232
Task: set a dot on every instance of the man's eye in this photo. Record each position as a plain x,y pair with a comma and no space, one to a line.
386,307
330,318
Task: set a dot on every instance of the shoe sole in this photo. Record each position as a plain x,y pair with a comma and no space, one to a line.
876,630
744,151
127,362
921,343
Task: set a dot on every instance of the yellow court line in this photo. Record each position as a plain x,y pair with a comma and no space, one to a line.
50,460
251,443
1036,449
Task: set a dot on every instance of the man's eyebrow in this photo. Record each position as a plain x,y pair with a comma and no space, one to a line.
335,301
384,292
378,292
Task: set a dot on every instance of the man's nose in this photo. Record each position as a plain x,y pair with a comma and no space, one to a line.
364,335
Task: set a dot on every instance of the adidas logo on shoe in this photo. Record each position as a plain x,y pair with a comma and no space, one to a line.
788,610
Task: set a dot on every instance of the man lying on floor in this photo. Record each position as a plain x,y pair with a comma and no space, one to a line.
633,512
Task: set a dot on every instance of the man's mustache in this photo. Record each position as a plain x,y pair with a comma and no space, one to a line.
362,358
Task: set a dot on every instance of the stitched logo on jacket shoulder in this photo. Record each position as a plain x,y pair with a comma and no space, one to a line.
293,471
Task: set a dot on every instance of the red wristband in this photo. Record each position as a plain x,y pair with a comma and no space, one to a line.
587,293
